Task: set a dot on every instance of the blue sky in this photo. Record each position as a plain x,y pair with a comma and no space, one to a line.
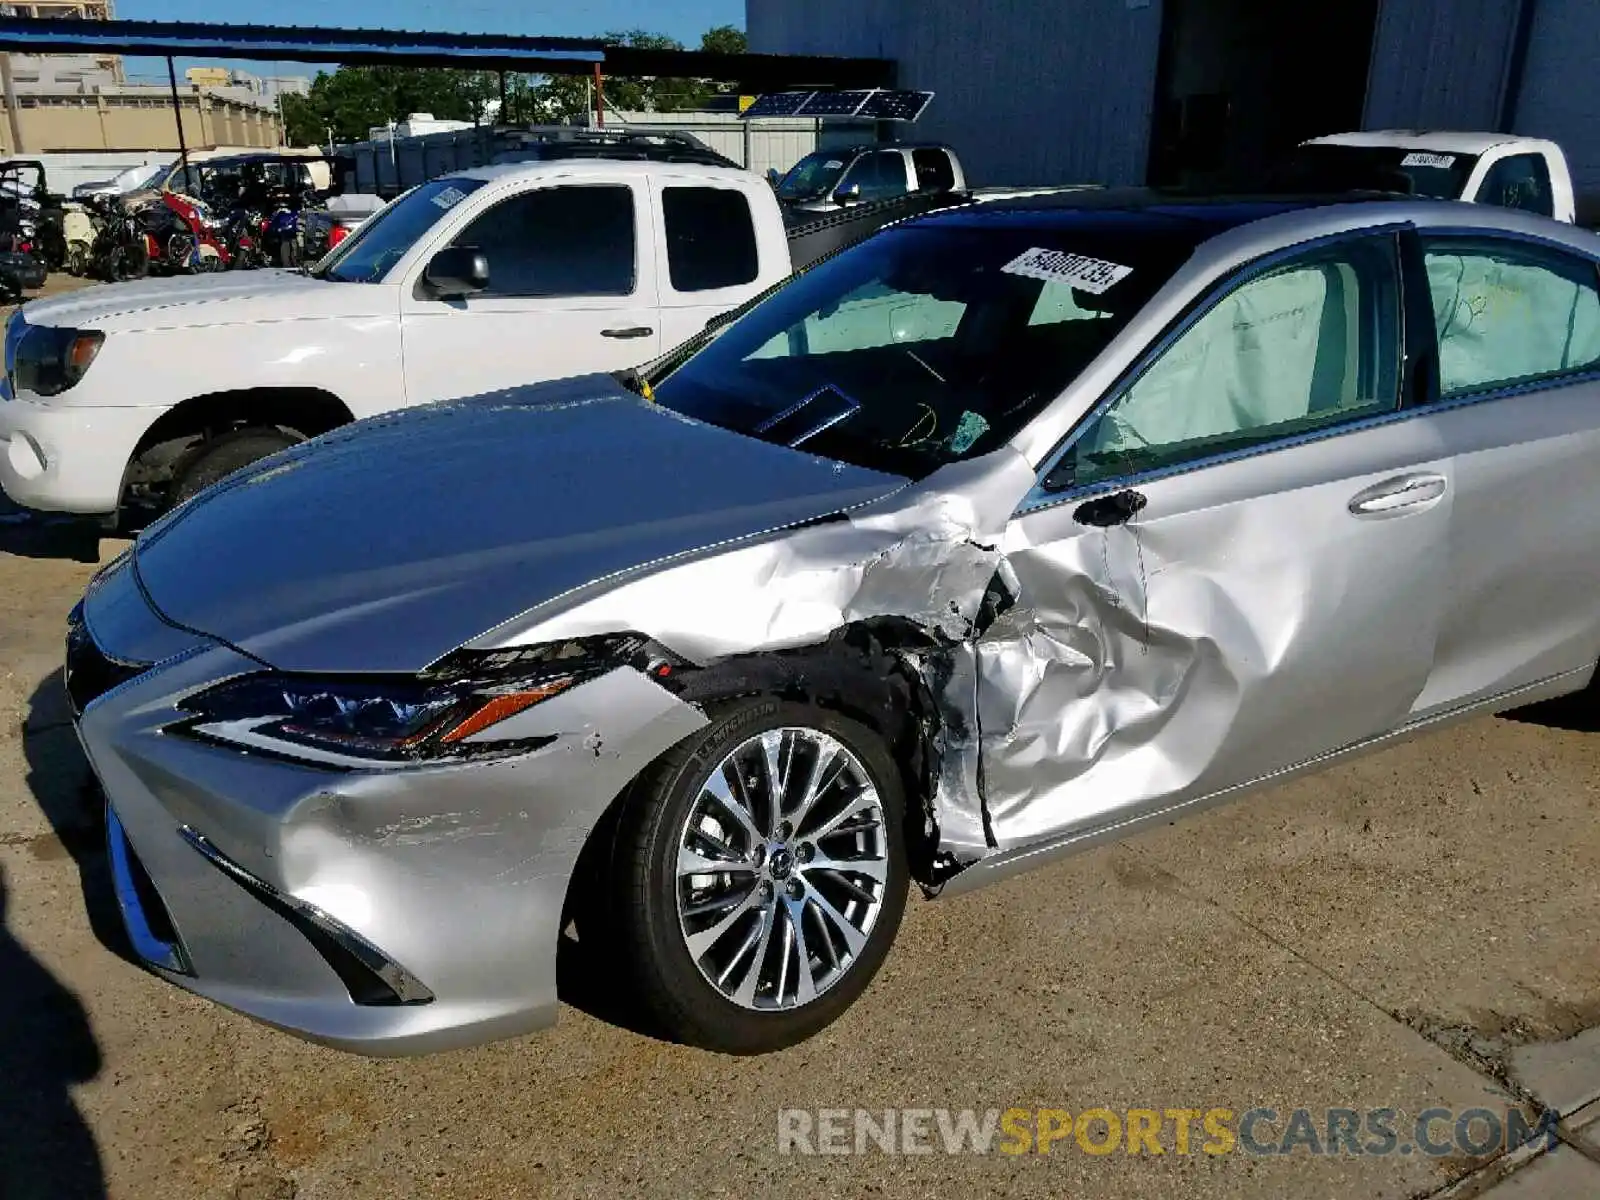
685,20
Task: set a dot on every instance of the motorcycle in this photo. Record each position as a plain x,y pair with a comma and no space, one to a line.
184,236
281,236
121,246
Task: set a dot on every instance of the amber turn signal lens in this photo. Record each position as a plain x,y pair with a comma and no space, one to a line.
497,708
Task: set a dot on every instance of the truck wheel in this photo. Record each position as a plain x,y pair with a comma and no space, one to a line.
218,457
758,875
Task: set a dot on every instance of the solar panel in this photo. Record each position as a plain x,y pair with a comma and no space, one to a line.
894,105
777,104
833,104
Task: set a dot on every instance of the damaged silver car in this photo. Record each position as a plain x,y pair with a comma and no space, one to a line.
1001,534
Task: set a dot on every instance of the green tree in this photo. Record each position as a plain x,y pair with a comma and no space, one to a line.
352,101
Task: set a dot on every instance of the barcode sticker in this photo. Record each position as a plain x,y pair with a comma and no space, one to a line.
1420,158
449,198
1092,275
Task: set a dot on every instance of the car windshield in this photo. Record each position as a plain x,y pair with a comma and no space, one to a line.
1410,170
814,175
384,239
925,344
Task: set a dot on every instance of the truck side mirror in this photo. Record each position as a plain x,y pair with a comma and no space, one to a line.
456,271
848,194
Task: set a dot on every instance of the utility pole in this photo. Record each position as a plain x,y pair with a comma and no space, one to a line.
177,113
12,114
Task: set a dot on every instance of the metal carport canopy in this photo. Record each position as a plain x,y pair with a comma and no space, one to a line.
465,51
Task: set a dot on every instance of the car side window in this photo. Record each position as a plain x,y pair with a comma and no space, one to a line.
560,241
711,239
934,173
880,175
1303,346
1509,312
1520,181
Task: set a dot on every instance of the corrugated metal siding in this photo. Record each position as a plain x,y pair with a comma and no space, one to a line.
1439,64
1559,98
1078,75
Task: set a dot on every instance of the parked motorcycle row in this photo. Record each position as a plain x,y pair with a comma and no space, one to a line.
248,213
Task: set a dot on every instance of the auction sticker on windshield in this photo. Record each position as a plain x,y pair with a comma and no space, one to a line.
1092,275
1420,158
449,198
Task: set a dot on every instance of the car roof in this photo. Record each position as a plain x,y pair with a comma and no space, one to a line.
1445,141
1198,215
619,166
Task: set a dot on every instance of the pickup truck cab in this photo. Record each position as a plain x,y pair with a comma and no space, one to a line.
833,178
1529,174
131,397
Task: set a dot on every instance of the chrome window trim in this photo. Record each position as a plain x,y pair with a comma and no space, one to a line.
1038,499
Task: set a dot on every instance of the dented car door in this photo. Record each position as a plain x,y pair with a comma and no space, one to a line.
1232,566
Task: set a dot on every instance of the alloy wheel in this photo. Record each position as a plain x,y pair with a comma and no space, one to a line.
783,869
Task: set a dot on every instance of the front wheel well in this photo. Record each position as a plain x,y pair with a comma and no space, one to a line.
301,412
858,672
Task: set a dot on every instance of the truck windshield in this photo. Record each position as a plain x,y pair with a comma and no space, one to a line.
369,254
925,344
815,175
1410,170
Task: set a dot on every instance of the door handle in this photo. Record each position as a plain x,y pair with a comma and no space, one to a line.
1404,494
631,331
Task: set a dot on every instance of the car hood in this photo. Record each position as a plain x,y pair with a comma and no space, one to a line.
231,297
387,544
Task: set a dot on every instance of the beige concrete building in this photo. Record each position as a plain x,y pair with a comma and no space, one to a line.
134,117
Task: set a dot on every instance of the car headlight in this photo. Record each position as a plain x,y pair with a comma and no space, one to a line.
449,711
50,359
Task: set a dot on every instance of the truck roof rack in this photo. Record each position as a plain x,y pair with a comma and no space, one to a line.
651,144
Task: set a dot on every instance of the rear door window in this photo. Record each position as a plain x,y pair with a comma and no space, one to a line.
711,239
561,241
1508,312
934,172
1521,181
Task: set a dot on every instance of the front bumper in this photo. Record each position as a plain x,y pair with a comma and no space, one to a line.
67,458
387,912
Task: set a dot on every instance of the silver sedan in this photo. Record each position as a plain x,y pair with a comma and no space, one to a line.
1001,534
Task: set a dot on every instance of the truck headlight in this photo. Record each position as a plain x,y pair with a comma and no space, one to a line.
50,359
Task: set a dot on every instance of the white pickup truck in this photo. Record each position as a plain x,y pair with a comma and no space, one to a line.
1485,168
131,397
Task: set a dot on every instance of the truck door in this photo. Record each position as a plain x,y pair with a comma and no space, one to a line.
572,290
714,256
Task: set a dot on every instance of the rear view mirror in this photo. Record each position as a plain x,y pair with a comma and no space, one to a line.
457,271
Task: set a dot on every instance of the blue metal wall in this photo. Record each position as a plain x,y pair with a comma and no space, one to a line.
1028,91
1560,94
1439,64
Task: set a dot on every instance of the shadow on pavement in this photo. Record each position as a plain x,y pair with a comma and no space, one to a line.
46,1046
70,798
33,535
1578,713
